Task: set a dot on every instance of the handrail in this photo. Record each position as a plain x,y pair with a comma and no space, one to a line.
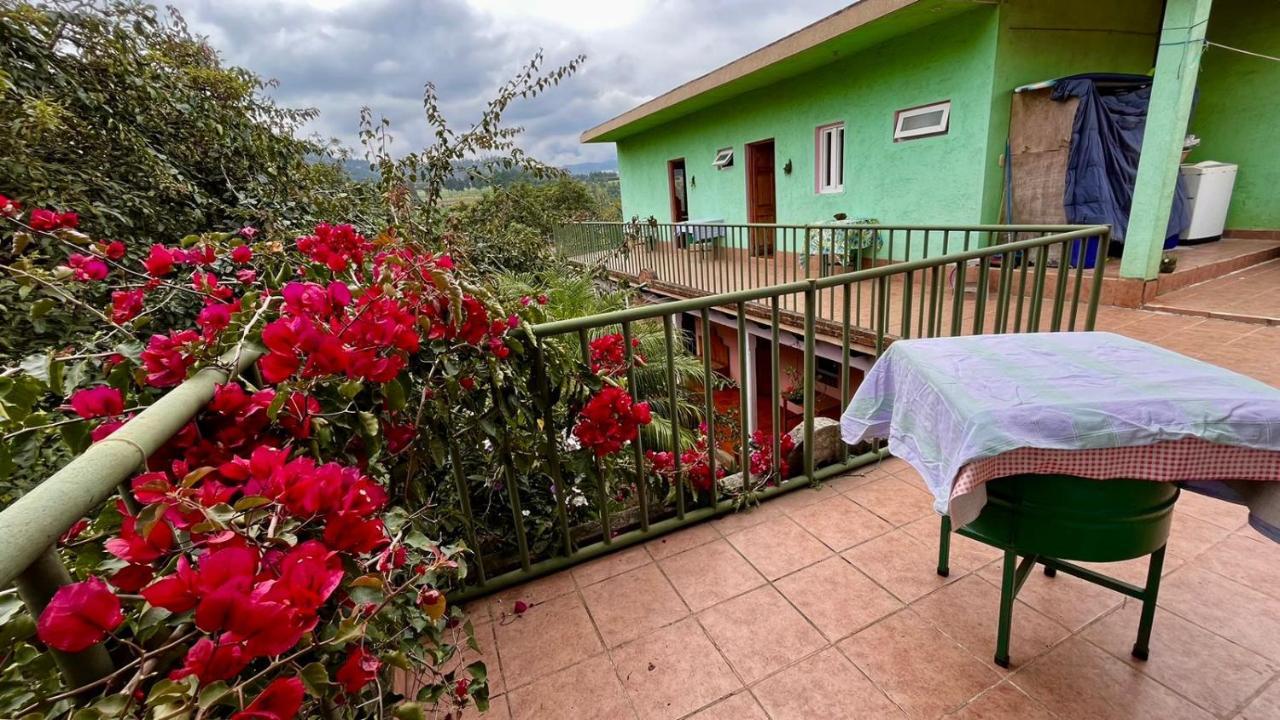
645,312
979,227
32,524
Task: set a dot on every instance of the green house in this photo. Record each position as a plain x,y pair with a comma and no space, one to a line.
904,111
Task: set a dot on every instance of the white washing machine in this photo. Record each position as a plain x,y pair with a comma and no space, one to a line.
1208,186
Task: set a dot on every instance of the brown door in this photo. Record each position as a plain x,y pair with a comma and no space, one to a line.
762,204
679,191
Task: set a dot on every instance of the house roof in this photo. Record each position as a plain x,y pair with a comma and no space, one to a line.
812,46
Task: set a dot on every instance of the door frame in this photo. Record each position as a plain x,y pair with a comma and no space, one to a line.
762,240
671,188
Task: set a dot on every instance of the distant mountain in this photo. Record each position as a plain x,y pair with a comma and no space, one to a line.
359,170
586,168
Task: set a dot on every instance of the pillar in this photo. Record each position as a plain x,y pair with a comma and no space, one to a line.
1177,68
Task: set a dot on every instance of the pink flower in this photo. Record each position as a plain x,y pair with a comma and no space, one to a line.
113,250
96,402
164,358
214,318
9,208
79,616
360,669
248,233
126,304
159,261
242,254
87,268
43,220
280,701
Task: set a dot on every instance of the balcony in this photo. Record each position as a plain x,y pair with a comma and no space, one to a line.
653,600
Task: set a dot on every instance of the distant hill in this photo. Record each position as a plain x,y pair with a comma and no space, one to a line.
359,170
586,168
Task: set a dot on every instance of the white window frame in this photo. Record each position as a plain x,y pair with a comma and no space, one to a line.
939,128
724,159
828,165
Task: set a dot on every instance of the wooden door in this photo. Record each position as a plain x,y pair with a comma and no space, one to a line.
762,206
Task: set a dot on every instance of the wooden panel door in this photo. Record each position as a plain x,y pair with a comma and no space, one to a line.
762,205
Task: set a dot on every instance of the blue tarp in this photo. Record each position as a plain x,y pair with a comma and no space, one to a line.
1106,142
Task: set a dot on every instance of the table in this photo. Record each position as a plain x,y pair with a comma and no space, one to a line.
948,405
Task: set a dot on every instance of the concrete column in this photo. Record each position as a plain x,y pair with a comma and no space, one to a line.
1177,68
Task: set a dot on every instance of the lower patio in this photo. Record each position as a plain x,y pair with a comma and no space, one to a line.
824,603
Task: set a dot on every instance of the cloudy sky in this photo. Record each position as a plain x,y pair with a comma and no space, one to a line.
339,55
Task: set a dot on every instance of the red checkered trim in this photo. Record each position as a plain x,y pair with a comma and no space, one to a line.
1171,461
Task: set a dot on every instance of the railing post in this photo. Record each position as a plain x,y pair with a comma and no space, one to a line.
36,586
810,370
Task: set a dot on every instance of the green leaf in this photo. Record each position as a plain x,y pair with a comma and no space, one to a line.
316,679
409,711
213,694
394,394
76,436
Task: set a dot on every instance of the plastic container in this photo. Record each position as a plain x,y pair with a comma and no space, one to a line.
1208,186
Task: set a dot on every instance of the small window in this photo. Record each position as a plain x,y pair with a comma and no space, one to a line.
724,158
831,158
922,121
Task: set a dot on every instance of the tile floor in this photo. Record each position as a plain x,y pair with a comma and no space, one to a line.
1252,294
824,604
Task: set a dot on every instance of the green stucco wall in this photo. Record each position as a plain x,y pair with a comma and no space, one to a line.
1236,113
1044,39
927,180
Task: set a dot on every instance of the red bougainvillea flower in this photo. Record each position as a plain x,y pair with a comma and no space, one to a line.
75,530
9,208
211,662
335,246
348,532
214,318
762,456
79,616
159,261
96,402
126,305
164,358
242,254
113,250
136,547
398,435
280,701
131,578
611,419
68,220
609,355
43,220
86,268
360,669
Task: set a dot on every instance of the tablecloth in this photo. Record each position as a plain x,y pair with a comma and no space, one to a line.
944,403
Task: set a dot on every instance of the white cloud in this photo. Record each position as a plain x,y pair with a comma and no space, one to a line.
339,55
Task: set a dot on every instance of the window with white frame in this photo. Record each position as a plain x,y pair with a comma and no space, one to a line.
922,121
830,152
724,159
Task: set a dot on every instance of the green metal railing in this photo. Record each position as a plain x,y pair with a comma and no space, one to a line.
961,289
994,289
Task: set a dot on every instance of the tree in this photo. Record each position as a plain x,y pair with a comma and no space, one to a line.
122,114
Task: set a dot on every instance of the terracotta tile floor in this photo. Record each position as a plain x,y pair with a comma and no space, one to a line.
1252,293
825,604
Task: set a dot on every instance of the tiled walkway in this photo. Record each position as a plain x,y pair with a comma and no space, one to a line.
1251,294
824,604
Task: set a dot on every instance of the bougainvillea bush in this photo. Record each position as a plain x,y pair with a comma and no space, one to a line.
289,550
256,567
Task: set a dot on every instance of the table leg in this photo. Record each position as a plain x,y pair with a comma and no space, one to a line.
1008,591
1154,570
944,547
